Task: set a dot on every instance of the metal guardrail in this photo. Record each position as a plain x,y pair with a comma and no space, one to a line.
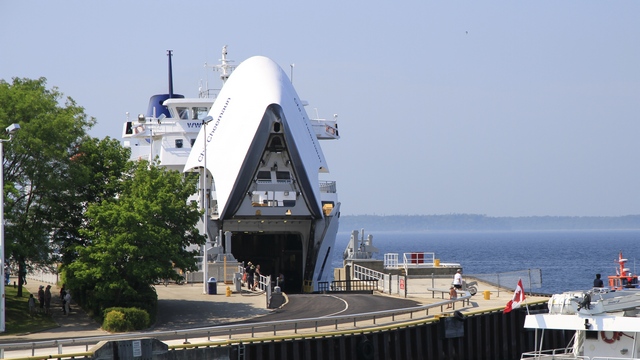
348,285
273,327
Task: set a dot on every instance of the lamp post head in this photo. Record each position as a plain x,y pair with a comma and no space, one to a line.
12,129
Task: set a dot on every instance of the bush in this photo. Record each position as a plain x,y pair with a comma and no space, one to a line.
115,321
125,319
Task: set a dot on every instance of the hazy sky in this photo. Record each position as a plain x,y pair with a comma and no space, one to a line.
503,108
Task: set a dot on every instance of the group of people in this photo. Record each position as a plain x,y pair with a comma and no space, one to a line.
252,275
44,301
43,304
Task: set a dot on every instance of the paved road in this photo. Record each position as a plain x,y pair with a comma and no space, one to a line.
317,305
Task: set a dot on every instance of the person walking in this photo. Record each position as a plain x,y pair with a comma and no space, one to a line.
67,302
457,280
47,300
256,277
63,292
452,295
7,274
41,299
250,269
32,305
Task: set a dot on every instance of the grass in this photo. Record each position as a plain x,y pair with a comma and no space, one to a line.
18,320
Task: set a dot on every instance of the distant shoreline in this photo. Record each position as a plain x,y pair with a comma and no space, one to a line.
468,222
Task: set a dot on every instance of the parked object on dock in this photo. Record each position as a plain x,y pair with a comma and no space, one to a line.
606,324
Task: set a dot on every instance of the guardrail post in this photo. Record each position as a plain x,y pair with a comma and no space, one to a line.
406,286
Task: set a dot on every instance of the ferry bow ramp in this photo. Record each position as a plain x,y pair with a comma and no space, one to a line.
262,160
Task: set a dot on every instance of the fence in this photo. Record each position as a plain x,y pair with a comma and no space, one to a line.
531,279
416,285
363,273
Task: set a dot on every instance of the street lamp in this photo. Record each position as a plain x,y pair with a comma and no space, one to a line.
11,129
205,204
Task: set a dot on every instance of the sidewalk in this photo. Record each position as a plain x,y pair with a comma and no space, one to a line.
76,324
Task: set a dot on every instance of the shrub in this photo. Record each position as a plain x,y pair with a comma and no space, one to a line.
115,322
125,319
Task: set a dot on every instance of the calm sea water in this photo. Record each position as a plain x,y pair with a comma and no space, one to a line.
568,260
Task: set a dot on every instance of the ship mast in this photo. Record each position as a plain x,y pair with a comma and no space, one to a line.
225,68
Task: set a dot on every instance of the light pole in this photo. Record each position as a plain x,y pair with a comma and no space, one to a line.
11,129
205,204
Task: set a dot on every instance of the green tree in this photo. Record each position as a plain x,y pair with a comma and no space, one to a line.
36,164
95,173
137,237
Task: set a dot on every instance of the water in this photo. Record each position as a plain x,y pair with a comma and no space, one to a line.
568,259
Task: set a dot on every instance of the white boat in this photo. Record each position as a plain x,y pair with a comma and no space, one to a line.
606,325
264,197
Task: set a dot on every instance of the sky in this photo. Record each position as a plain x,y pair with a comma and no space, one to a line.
501,108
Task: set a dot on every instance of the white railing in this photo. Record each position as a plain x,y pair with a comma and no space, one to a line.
328,186
391,261
416,259
559,354
363,273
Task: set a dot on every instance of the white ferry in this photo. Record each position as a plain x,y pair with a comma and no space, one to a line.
260,162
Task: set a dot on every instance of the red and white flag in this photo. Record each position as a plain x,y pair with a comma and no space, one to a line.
518,297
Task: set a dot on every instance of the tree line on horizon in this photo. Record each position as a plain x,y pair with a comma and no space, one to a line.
473,222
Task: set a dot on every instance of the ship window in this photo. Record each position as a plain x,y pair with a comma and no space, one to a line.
178,143
200,112
591,335
276,144
264,175
183,113
283,175
193,141
276,127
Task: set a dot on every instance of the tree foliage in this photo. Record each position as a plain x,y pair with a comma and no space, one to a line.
137,237
95,174
36,163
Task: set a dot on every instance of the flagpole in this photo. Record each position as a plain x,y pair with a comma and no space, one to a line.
526,303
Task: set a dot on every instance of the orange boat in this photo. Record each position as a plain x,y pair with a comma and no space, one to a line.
623,279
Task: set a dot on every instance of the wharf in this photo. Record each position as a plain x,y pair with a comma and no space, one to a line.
187,307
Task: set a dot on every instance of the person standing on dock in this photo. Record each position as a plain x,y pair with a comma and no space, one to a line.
597,282
452,295
457,280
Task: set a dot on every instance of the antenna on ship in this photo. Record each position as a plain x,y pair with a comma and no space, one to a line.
224,67
170,54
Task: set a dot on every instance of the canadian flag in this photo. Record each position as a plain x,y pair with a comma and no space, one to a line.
518,297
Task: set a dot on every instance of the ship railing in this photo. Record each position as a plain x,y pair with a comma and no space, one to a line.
558,354
352,323
363,273
328,187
